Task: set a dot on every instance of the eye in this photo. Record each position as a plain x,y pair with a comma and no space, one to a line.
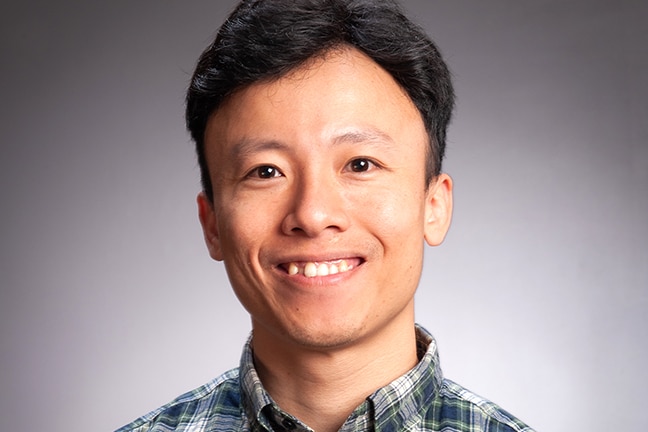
361,165
265,172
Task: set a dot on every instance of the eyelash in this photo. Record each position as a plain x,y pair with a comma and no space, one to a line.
367,162
258,172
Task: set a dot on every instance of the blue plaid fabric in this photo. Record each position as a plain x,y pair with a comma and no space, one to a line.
420,400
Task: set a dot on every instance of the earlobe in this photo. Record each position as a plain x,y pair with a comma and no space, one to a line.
438,209
209,224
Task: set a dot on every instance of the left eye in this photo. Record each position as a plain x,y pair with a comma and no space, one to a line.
264,172
360,165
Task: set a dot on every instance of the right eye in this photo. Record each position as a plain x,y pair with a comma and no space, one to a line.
265,172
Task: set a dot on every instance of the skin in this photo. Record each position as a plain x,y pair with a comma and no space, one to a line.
322,165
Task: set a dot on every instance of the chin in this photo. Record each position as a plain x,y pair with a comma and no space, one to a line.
325,336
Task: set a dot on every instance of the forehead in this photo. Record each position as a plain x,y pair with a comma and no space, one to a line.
341,89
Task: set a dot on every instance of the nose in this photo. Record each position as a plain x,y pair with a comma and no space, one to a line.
318,205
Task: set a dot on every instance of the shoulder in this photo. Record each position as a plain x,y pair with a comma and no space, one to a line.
218,400
461,405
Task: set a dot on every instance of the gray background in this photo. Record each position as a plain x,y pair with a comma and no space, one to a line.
110,305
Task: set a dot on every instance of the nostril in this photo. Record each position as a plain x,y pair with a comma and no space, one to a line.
297,230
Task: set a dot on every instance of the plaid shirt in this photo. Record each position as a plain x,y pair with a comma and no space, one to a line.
420,400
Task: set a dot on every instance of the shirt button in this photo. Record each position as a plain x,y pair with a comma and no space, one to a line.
289,424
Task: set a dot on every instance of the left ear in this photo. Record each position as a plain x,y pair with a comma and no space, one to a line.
438,209
209,223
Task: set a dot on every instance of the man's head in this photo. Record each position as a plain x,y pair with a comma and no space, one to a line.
316,195
263,40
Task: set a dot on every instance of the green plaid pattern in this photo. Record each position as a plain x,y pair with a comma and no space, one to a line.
420,400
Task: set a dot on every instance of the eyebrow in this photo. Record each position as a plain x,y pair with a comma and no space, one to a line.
247,146
366,135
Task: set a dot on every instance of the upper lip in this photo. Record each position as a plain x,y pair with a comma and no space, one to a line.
318,257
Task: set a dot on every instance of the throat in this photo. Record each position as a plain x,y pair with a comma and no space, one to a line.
323,388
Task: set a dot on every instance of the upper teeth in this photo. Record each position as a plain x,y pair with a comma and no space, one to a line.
311,269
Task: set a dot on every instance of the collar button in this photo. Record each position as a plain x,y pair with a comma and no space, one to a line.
289,424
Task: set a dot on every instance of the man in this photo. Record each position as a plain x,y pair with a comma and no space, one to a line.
320,127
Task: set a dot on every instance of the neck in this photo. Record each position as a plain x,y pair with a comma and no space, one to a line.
322,387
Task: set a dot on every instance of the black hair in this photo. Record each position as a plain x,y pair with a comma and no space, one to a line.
267,39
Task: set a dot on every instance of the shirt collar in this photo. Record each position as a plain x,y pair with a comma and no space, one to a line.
400,402
393,406
253,396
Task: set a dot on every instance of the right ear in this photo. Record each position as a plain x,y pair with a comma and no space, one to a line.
209,225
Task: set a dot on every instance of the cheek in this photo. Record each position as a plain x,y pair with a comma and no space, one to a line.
237,229
395,214
246,226
241,239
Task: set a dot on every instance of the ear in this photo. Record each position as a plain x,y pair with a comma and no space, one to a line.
438,209
209,224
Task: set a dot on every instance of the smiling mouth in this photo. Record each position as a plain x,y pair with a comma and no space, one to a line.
311,269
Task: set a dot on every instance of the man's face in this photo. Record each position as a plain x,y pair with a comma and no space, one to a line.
320,204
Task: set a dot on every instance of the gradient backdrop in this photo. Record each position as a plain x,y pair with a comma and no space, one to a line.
111,307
